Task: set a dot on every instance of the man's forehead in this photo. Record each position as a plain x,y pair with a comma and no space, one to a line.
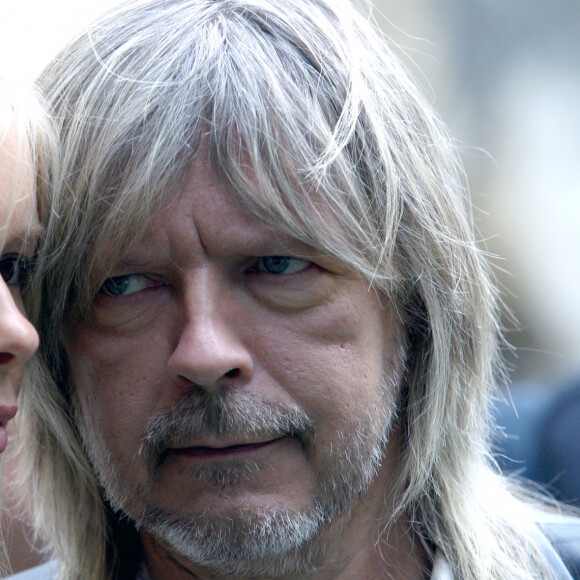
215,218
207,214
207,201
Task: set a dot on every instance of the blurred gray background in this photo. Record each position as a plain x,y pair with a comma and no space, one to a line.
505,75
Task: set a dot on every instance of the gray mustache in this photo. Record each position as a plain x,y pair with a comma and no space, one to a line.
224,415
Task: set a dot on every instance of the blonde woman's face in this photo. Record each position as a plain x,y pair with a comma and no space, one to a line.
18,224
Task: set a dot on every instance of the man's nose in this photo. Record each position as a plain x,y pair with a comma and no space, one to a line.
210,352
18,338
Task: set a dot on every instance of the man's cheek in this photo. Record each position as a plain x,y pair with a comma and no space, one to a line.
111,403
330,374
88,347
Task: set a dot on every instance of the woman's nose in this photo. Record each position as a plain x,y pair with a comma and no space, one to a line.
18,338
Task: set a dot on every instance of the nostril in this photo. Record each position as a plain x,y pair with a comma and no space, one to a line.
6,357
233,373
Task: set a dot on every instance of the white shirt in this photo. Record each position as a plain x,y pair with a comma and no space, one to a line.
441,569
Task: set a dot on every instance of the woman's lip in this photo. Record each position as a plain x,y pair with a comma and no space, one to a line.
3,438
211,452
7,412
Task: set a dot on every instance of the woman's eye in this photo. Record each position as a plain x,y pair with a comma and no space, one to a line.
124,285
281,265
15,270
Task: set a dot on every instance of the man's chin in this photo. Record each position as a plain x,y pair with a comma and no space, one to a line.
259,544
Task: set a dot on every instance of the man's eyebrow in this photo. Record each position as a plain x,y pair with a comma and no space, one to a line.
278,242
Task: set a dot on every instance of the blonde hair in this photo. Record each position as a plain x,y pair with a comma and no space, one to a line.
22,111
312,120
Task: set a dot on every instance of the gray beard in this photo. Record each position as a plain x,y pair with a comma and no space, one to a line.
266,543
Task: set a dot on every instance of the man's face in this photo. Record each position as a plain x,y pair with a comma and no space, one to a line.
234,387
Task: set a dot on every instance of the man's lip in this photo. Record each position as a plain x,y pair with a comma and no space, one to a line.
216,450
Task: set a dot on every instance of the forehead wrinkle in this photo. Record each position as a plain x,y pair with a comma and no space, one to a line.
248,237
220,223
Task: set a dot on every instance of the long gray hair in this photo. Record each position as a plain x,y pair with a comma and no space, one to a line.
308,115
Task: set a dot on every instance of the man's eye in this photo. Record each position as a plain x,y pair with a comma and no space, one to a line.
124,285
281,265
15,270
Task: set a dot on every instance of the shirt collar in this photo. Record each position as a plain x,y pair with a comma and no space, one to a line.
441,569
